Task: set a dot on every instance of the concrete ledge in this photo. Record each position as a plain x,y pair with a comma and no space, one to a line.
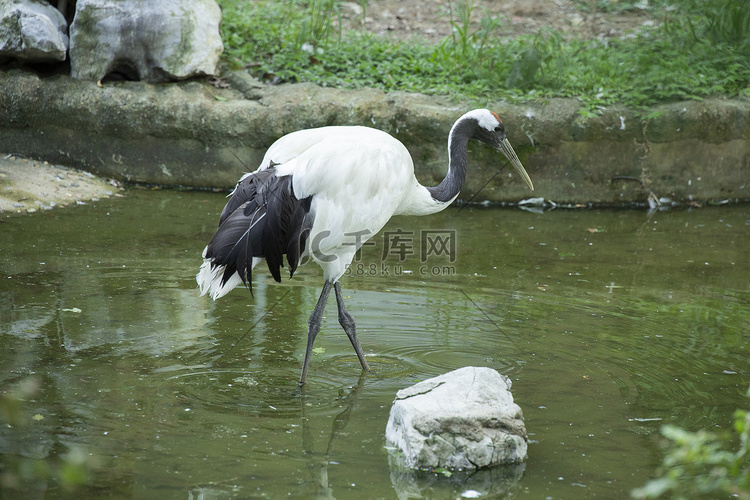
192,134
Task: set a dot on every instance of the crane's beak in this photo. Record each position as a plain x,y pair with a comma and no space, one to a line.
507,150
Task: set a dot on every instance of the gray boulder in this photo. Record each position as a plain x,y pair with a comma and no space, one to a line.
32,31
463,419
145,40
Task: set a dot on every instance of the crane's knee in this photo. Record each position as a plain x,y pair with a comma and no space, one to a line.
346,321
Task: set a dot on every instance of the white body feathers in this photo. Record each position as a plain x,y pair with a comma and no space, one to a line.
358,177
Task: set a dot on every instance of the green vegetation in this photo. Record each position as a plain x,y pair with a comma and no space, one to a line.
701,48
699,465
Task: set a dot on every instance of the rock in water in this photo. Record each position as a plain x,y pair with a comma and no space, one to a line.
145,40
463,419
33,31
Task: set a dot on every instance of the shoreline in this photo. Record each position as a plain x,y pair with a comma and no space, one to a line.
29,186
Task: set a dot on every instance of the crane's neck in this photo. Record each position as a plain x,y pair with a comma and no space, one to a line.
429,200
458,158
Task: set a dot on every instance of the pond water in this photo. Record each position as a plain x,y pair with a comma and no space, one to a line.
609,323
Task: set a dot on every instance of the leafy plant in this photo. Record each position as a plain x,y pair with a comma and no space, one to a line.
466,47
698,464
316,27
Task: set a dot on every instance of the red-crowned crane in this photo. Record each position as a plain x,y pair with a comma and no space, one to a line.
321,193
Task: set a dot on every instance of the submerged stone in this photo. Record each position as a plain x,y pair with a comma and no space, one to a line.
463,419
502,481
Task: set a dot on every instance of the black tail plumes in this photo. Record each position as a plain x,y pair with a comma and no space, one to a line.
262,219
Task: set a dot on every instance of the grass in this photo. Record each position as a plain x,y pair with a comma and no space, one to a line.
700,49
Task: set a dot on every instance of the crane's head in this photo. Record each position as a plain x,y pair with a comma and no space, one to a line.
490,130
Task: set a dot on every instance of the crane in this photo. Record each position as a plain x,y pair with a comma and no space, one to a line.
320,194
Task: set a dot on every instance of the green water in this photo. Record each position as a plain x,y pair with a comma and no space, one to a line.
609,323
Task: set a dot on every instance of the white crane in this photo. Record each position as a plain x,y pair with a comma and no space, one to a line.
322,193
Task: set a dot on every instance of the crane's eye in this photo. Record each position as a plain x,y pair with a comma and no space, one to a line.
499,128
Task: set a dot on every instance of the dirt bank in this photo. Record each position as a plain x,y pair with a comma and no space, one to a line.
430,20
27,186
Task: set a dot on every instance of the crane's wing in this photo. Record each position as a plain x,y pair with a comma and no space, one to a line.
262,219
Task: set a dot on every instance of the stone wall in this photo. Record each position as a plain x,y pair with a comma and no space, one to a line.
197,135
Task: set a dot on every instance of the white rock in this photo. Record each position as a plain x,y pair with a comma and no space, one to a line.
144,39
462,419
33,31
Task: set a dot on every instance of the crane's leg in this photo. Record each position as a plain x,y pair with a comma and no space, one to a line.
313,327
346,321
